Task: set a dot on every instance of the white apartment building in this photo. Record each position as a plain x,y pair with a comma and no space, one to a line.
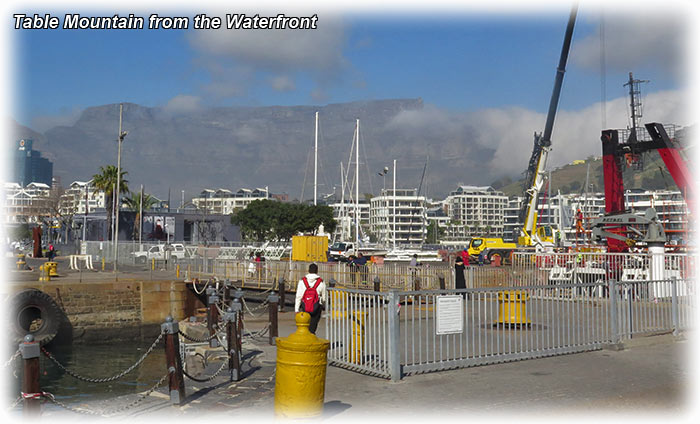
399,217
475,210
80,197
225,202
27,204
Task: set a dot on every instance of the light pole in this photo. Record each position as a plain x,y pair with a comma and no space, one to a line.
386,203
122,134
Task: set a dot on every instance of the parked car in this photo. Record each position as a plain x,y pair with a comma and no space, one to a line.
174,252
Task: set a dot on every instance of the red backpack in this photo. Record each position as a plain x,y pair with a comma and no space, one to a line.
310,297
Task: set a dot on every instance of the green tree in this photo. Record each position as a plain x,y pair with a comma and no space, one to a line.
270,219
106,181
435,233
133,201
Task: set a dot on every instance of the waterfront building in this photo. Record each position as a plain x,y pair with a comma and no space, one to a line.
405,223
475,210
81,198
344,215
29,166
223,201
28,204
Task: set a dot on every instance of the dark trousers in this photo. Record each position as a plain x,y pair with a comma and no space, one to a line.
315,317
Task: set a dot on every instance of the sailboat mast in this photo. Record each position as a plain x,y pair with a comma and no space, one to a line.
394,213
316,161
357,184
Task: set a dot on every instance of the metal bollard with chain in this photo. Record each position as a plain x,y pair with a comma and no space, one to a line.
212,315
31,393
232,338
176,386
273,299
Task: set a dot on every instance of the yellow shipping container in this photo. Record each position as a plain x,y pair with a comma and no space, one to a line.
309,248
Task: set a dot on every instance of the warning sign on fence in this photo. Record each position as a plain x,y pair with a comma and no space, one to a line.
450,319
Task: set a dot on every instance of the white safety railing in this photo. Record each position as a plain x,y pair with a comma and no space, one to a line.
407,332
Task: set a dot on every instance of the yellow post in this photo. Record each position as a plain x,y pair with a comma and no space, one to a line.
103,263
20,261
512,309
153,264
177,271
358,337
300,382
53,268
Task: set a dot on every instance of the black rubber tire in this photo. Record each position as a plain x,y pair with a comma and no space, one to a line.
493,254
30,305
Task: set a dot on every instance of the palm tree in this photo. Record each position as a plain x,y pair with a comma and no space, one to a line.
106,181
134,203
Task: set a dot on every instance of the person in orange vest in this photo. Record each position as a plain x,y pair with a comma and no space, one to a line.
465,256
579,223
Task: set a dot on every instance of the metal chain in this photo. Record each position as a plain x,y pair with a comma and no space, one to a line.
108,379
217,330
259,333
12,358
108,413
200,380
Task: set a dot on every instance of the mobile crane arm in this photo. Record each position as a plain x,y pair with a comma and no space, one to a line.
542,146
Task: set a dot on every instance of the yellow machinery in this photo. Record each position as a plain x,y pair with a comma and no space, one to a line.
300,382
310,248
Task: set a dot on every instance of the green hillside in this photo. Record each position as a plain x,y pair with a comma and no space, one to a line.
572,178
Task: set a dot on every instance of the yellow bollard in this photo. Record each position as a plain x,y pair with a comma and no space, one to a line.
44,273
512,310
300,382
358,337
53,268
153,264
103,263
177,271
21,264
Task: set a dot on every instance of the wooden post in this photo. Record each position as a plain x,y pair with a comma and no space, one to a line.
30,351
234,353
441,279
176,382
212,315
273,300
280,292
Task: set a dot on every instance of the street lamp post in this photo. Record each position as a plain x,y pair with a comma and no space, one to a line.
120,139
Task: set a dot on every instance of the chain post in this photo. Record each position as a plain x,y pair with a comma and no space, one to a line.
238,300
234,353
377,284
441,280
30,351
176,380
212,315
273,301
280,292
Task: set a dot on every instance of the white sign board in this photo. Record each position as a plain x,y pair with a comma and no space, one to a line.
450,318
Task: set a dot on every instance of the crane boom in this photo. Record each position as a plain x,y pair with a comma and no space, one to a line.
542,145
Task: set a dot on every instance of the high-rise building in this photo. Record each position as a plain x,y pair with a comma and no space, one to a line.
29,166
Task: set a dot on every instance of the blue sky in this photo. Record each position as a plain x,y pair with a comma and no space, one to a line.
469,61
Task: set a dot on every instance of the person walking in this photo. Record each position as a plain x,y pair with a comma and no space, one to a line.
51,253
311,296
460,283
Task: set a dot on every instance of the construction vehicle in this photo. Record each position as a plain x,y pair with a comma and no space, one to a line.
530,235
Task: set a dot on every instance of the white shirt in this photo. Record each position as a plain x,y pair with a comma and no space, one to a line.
301,288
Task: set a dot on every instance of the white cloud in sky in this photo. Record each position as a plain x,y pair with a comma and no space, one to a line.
635,40
66,118
282,83
317,53
509,132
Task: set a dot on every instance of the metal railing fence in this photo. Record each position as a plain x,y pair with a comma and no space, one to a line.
388,334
